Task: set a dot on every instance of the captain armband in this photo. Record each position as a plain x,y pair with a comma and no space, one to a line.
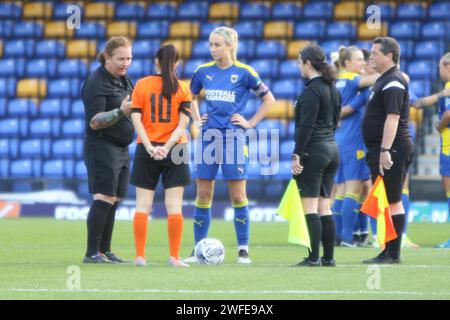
261,90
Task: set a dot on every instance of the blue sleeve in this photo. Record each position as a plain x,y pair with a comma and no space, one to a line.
354,83
196,84
359,101
253,80
412,96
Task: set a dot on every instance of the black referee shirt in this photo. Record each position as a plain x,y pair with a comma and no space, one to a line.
316,112
102,93
389,95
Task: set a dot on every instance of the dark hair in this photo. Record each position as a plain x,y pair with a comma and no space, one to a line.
111,45
316,56
167,58
366,54
389,45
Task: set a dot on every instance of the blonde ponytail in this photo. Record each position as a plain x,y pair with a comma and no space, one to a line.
231,38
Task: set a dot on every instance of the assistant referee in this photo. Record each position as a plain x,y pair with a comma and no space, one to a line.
387,137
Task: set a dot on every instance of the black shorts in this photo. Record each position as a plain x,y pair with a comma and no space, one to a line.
146,170
319,168
394,178
108,167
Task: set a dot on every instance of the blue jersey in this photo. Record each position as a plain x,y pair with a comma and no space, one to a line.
226,91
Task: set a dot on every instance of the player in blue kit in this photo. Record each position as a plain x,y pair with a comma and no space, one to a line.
227,84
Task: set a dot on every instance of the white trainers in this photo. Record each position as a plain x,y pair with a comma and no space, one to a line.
191,258
177,263
243,257
140,262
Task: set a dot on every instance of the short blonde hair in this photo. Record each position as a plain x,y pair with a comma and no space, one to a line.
231,38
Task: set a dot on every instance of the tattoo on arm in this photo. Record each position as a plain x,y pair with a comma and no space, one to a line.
104,120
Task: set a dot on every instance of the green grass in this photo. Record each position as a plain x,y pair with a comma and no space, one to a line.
35,255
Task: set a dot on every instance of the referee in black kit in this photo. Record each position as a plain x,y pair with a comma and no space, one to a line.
386,135
109,131
316,156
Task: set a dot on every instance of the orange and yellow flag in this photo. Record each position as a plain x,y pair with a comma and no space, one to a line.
377,206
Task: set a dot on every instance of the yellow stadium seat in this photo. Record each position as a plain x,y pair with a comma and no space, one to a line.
81,49
184,47
282,109
99,10
32,88
184,29
416,115
38,10
294,48
364,33
220,11
57,29
278,29
123,28
349,10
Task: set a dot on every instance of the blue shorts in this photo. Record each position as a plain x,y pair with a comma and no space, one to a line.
230,153
444,165
352,165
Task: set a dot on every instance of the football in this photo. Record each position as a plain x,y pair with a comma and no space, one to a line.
209,251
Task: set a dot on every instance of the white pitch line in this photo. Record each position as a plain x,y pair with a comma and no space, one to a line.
230,292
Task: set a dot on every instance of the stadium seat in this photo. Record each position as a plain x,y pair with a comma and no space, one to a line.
10,11
411,11
45,128
282,109
72,68
94,65
405,30
284,172
439,11
11,68
333,45
387,11
9,148
266,67
254,171
249,29
54,108
3,103
25,168
201,50
422,70
184,46
190,66
22,108
221,11
130,11
341,30
254,11
8,87
421,88
364,44
91,30
121,28
286,11
406,49
63,88
153,29
184,29
34,148
18,48
37,10
57,29
287,149
247,49
193,11
80,170
79,148
207,27
436,31
287,88
31,88
63,148
318,11
6,29
429,50
314,30
60,10
41,68
28,29
50,49
140,68
73,128
289,69
58,168
162,11
278,30
294,48
9,127
364,33
349,10
83,49
99,10
270,49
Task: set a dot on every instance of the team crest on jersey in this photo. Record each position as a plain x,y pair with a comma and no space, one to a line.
234,78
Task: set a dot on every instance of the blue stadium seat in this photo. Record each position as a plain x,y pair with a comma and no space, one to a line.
153,29
130,11
18,48
91,30
341,30
249,29
22,108
12,68
72,68
73,128
289,69
435,31
439,11
387,11
246,49
266,67
79,148
405,30
63,88
269,124
421,88
286,149
4,169
80,170
138,69
58,168
63,148
411,11
333,45
162,11
207,27
318,10
6,29
77,109
28,29
190,66
60,11
25,168
254,11
422,70
201,49
35,148
284,171
270,49
145,49
9,127
94,65
8,87
406,49
8,148
429,50
286,11
273,190
41,68
3,103
254,171
193,11
45,128
287,88
54,108
10,11
314,30
364,45
50,48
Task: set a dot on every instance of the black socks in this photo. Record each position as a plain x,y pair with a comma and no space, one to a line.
96,220
105,243
395,245
328,236
315,234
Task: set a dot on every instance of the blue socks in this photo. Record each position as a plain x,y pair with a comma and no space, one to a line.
337,214
405,200
202,220
242,223
350,211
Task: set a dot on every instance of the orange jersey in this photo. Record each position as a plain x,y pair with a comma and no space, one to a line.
160,117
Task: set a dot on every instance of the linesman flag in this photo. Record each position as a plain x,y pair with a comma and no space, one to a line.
291,209
377,206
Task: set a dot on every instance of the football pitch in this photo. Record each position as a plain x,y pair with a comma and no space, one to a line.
41,259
